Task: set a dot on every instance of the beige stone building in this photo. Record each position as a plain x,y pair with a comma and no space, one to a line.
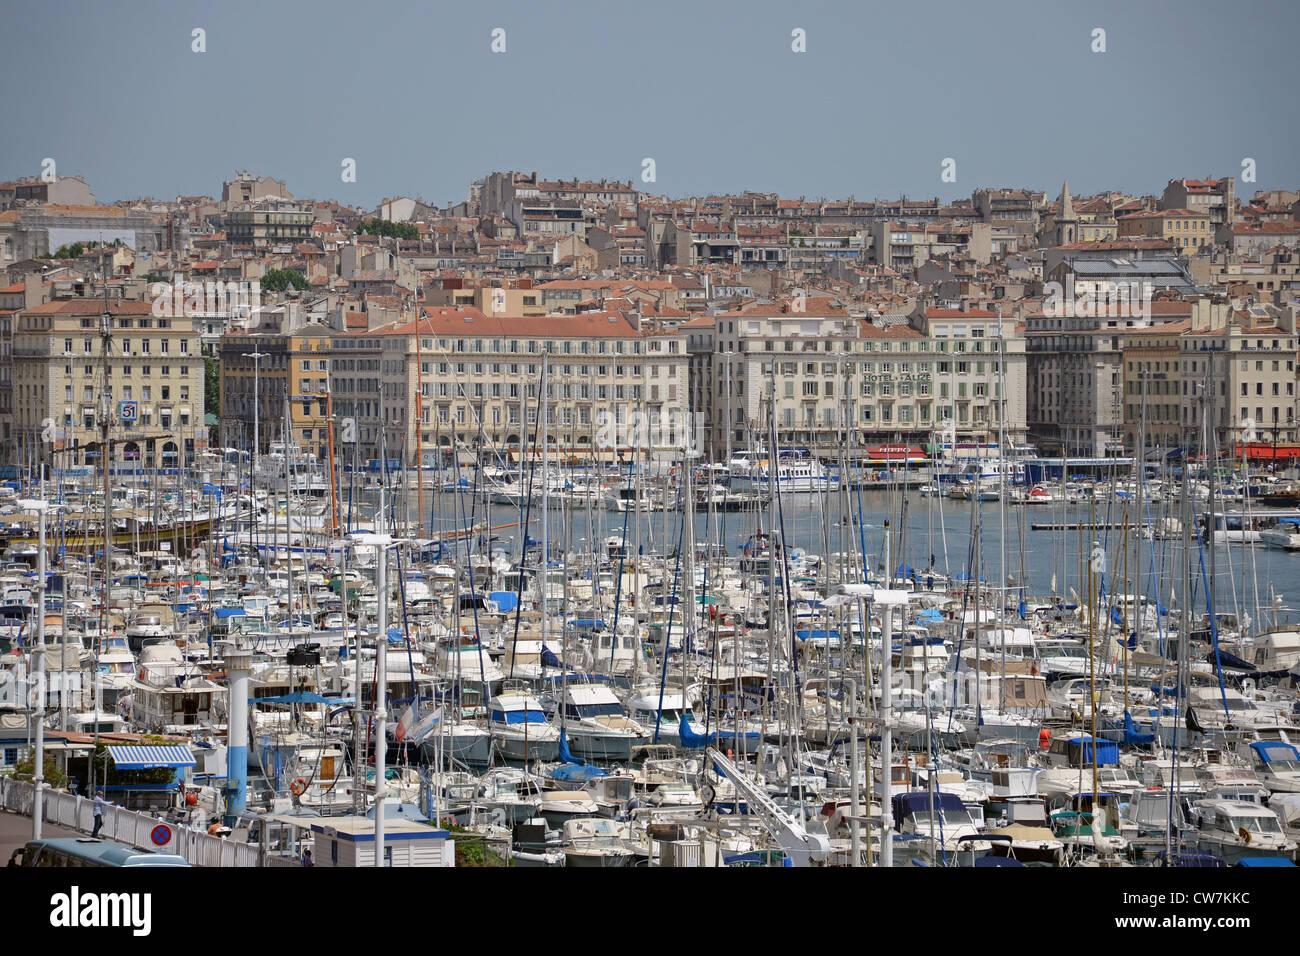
1188,230
818,370
460,377
1239,376
1076,392
295,366
1153,384
155,382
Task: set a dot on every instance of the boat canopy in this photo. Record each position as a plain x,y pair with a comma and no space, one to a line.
1265,861
1188,858
906,804
1081,751
1271,751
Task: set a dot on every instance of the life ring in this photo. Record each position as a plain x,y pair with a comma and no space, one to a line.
298,787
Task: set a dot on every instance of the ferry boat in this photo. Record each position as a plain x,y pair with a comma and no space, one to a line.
796,472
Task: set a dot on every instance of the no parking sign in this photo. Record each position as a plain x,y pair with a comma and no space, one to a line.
161,835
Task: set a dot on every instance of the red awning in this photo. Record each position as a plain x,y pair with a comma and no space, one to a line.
896,453
1264,451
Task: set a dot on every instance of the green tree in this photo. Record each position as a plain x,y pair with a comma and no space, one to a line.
392,230
56,778
277,280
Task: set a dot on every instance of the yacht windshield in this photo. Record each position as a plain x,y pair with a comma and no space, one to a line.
583,711
1261,824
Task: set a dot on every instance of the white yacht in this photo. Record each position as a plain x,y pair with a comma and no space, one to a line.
794,474
520,729
646,707
1283,534
1234,829
597,725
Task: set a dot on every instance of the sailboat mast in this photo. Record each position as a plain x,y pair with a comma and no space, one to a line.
419,431
105,423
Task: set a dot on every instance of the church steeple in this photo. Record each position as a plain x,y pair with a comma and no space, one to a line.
1067,206
1067,226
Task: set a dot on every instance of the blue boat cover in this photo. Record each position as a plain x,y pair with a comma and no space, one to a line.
1265,861
302,697
1107,750
919,802
1270,750
565,756
1131,736
577,773
817,635
506,601
1230,660
1189,858
693,741
985,862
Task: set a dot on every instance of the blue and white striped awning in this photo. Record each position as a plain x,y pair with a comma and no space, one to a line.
148,758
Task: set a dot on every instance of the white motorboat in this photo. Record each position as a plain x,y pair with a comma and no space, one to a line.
520,729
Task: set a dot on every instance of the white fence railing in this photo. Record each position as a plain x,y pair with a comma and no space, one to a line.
139,830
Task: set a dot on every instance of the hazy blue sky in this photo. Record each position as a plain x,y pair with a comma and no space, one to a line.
709,88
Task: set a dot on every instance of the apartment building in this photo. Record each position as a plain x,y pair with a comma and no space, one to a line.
492,299
1239,378
1153,404
155,381
461,377
269,220
265,375
699,334
1012,211
1076,368
1189,231
821,370
246,188
63,190
1253,238
1272,274
1214,199
980,373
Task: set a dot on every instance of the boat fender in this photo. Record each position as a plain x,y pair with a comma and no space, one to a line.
298,787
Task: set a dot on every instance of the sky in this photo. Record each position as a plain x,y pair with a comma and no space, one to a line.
711,90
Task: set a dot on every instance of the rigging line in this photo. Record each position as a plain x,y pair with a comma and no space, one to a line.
469,564
401,589
1214,625
526,509
961,624
668,631
618,582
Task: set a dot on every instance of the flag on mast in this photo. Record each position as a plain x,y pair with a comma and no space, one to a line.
405,723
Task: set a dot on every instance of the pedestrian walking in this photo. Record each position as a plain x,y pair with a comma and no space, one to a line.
100,803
